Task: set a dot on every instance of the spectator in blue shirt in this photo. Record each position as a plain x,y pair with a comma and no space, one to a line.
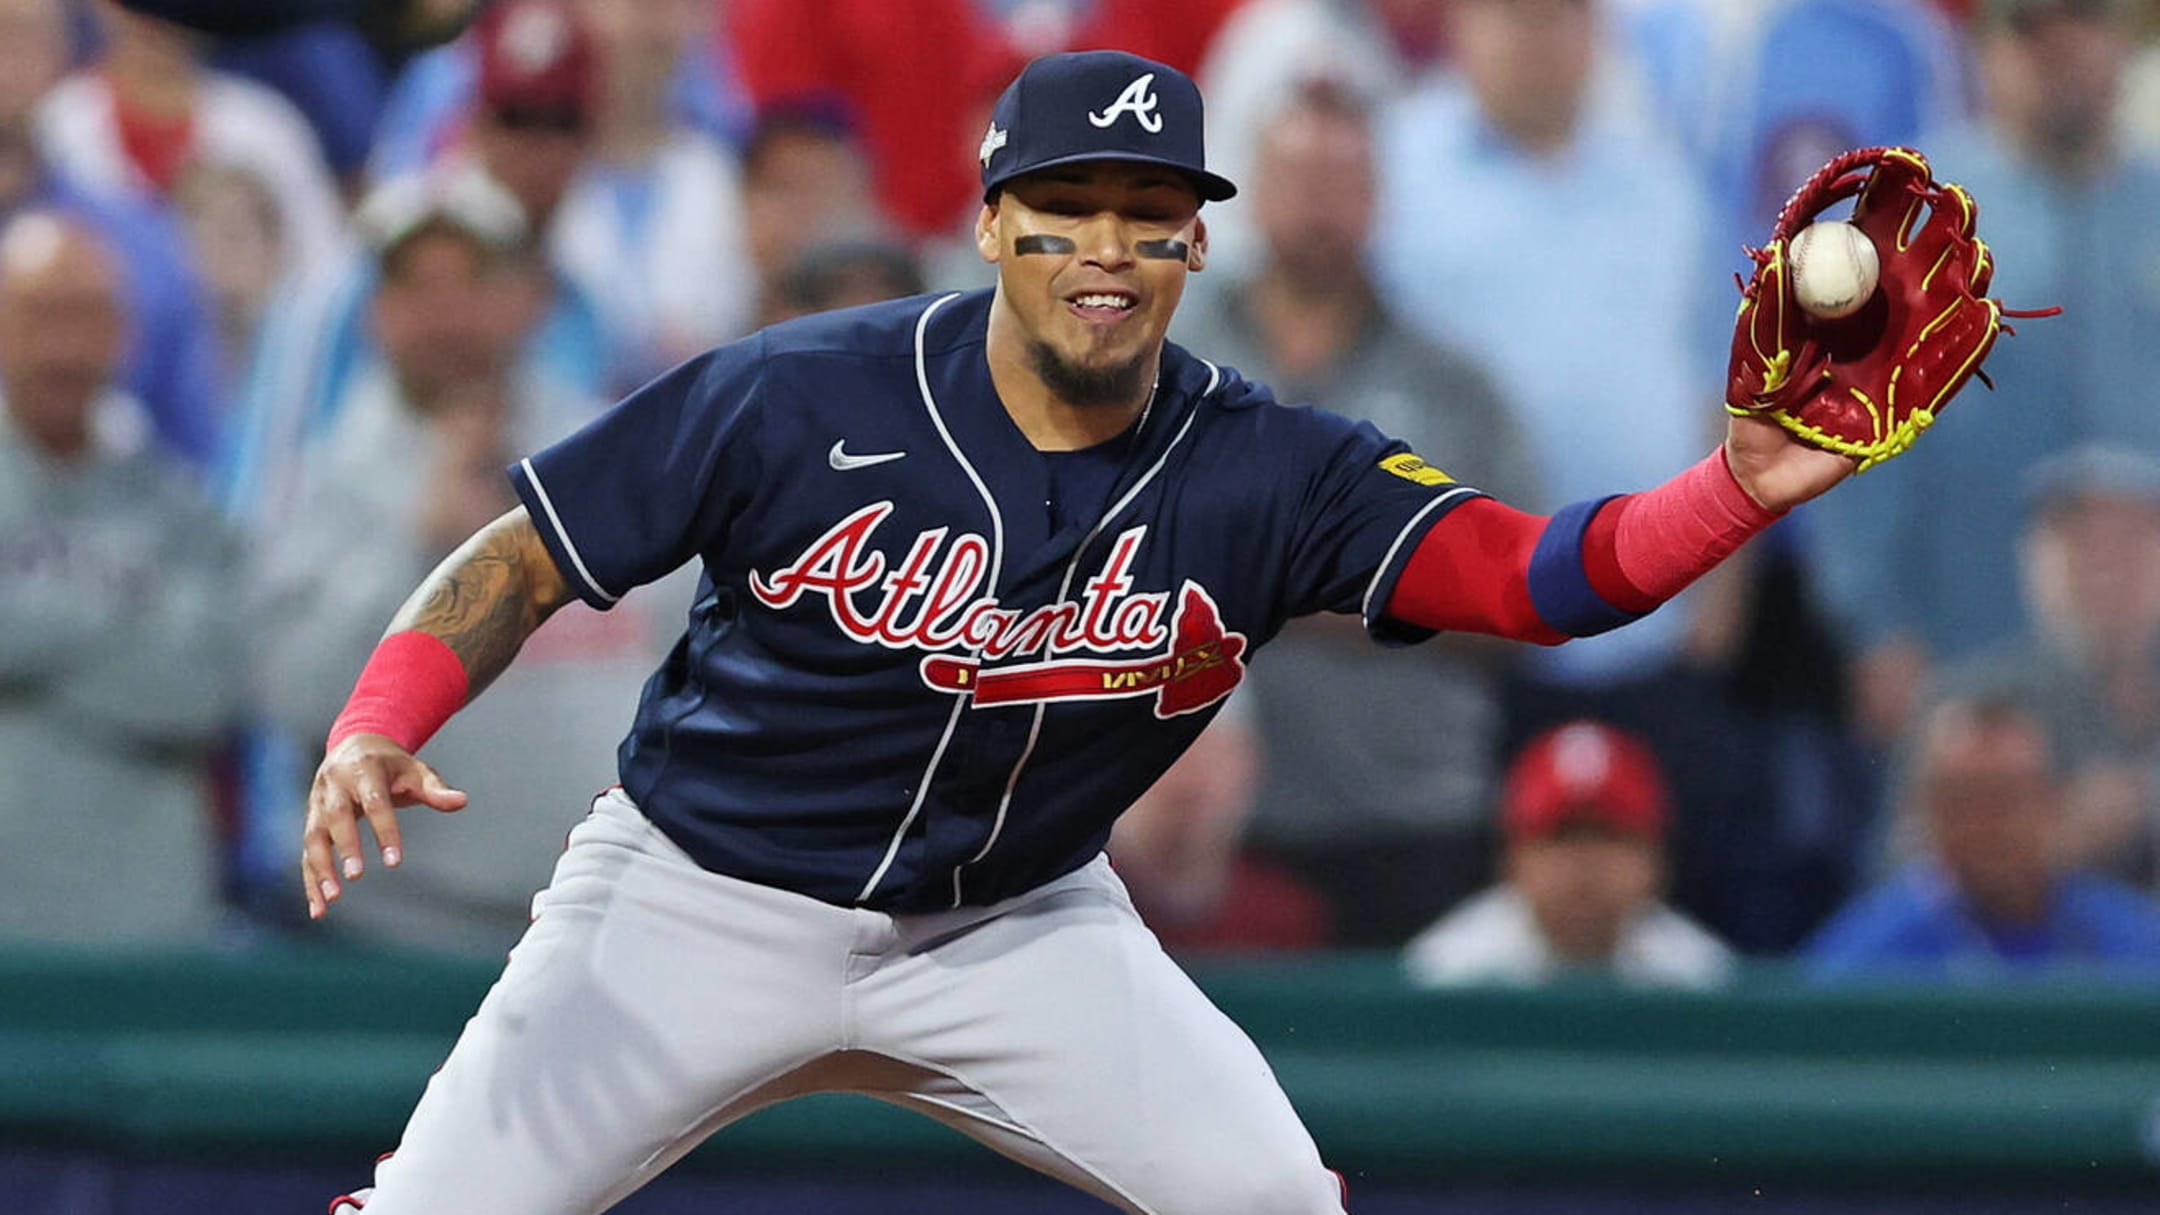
1504,193
2059,184
2089,662
171,363
330,73
1810,79
533,127
434,94
1989,898
1515,211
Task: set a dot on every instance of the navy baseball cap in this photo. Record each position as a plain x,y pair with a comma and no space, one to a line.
1098,105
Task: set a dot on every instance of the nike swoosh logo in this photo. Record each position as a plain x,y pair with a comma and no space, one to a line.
842,461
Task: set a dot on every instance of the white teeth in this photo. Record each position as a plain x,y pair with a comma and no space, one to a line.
1103,301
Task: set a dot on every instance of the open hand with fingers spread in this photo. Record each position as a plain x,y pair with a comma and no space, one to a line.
364,776
454,635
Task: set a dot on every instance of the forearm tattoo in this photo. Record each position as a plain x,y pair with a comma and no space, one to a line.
486,598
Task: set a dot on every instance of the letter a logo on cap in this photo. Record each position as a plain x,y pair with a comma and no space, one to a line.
1135,100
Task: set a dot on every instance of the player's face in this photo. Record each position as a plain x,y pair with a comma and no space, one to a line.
1092,260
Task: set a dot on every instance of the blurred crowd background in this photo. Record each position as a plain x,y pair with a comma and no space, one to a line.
276,309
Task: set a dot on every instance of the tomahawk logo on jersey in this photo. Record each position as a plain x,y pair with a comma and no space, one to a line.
928,664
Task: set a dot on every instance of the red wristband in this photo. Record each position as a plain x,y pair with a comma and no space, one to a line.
410,686
1666,538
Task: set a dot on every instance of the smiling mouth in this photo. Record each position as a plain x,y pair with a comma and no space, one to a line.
1102,307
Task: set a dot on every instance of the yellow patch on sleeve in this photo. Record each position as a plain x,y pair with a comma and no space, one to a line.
1414,468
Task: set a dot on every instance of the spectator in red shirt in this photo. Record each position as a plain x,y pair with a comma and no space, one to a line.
921,124
913,87
1176,32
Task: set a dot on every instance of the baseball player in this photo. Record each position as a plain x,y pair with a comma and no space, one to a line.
976,568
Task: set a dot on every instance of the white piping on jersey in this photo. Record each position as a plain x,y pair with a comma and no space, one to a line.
555,521
1027,752
922,791
1365,606
997,555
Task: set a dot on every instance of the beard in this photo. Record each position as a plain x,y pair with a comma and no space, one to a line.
1088,387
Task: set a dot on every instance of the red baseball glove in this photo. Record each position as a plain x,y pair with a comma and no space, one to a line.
1867,385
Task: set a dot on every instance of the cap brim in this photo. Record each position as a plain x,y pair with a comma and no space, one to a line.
468,203
1212,187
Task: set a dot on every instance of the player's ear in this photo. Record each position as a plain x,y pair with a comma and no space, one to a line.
986,236
1196,249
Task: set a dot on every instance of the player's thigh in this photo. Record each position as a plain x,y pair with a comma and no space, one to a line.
1077,1033
646,1001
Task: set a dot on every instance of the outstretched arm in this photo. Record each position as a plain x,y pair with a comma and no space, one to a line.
1487,568
453,636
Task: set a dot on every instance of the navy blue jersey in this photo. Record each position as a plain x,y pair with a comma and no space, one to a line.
915,675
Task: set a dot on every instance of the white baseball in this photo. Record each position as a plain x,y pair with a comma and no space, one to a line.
1834,269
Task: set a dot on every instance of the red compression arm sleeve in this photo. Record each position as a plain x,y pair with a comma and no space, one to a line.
1472,572
1666,538
410,686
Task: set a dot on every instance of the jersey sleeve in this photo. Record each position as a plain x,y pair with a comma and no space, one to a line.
654,481
1369,500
